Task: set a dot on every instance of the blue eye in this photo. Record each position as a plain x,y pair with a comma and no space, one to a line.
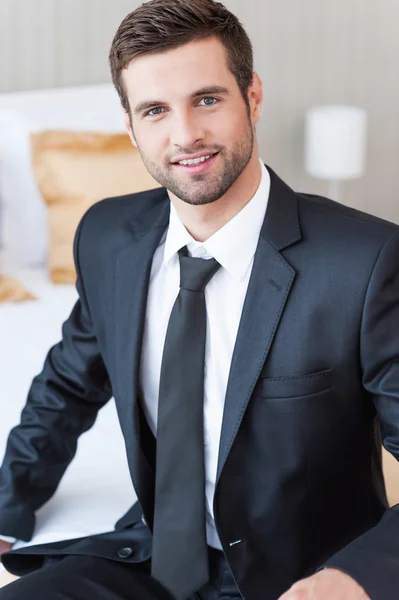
155,112
151,111
209,98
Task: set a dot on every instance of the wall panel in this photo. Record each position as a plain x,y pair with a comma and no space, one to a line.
27,43
307,53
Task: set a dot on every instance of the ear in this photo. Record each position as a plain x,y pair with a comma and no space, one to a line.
255,96
128,127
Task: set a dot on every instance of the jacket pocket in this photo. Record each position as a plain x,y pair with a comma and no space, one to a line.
293,386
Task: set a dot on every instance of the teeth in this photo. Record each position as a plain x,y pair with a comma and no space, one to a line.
195,161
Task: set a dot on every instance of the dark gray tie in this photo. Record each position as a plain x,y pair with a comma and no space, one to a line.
180,552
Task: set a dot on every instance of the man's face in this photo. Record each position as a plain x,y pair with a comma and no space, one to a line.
185,103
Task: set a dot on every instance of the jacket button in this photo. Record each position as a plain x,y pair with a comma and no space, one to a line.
125,552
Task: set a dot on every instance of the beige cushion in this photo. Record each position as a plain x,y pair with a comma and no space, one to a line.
73,171
12,290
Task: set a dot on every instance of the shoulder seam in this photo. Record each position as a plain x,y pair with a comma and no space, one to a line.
389,225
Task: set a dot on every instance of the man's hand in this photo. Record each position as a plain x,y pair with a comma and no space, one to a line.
329,584
4,547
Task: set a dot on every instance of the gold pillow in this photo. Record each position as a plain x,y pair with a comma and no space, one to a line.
12,290
73,171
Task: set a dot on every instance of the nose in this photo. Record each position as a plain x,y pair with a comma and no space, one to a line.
186,130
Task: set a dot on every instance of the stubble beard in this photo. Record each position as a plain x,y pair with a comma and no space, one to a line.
206,188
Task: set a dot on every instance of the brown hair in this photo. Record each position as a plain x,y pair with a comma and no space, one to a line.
161,25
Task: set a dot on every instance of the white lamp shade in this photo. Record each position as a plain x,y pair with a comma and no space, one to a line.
335,142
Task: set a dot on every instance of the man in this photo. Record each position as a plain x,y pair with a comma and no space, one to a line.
252,400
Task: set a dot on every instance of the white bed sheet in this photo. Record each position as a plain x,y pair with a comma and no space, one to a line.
96,489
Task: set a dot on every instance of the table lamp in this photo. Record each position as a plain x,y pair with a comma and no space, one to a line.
335,144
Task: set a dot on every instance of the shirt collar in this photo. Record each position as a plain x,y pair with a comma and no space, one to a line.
234,245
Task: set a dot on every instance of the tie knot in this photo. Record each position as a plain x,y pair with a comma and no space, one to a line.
195,273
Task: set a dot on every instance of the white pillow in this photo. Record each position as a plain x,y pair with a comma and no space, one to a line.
24,235
23,212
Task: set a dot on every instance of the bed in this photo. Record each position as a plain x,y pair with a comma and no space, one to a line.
96,489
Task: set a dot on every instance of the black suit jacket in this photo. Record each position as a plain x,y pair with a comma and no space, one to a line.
314,382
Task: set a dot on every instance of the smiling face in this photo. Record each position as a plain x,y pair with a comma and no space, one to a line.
186,104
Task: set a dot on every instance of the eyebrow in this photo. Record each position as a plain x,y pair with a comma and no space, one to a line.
204,91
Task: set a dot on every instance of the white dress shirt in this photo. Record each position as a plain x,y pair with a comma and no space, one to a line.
233,246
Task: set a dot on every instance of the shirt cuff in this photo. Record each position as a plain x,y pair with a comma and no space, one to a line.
6,538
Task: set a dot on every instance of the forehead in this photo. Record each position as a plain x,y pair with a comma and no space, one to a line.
178,71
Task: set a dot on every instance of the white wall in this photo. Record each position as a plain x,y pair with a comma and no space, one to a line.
307,52
46,43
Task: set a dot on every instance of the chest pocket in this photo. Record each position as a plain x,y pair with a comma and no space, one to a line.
294,386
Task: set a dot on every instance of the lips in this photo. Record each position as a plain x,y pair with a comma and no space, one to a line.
211,154
198,168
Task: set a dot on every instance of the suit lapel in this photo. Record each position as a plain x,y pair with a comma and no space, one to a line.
268,290
132,269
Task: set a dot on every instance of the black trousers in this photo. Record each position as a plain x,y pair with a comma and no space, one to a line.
93,578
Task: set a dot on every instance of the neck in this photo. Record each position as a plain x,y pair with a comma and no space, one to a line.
203,221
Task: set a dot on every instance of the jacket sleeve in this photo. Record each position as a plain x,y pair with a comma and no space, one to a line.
373,558
62,403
